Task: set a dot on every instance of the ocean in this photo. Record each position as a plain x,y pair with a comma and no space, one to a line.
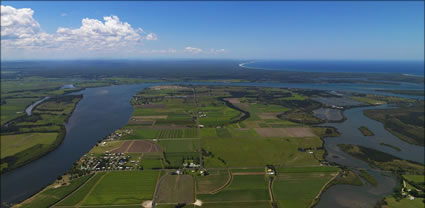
414,68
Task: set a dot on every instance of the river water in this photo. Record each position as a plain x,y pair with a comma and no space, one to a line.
99,113
28,110
364,196
105,109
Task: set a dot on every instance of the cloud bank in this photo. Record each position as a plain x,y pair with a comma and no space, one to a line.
193,50
20,30
21,33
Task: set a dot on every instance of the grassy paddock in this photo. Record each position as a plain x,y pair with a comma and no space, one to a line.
12,144
124,187
79,195
190,145
404,203
50,196
212,182
242,188
298,190
255,152
176,189
262,204
152,164
322,169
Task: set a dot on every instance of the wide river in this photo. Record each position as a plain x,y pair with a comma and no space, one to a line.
105,109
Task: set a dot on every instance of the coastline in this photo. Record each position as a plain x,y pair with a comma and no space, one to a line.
243,65
288,69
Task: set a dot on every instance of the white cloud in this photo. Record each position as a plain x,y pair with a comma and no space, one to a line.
192,50
18,23
217,51
63,14
22,36
158,51
151,36
20,30
95,34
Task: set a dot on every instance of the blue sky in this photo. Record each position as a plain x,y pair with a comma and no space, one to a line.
234,30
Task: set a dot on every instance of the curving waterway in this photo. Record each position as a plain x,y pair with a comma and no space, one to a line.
28,110
366,195
105,109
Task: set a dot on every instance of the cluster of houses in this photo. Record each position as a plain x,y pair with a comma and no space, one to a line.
202,114
190,164
405,192
309,149
337,107
198,172
118,134
108,161
270,170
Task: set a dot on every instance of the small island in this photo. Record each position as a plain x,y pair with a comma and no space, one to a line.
366,131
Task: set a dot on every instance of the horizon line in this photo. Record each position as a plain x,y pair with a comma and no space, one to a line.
203,59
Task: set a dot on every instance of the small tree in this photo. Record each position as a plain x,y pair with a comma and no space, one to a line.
180,205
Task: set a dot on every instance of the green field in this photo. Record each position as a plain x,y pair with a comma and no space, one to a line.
208,133
262,204
144,133
149,133
242,188
415,178
176,189
125,187
175,159
171,133
17,154
114,206
151,163
418,181
321,169
189,145
403,203
212,182
254,152
217,113
14,108
298,189
78,195
27,138
50,196
15,143
110,145
17,95
245,129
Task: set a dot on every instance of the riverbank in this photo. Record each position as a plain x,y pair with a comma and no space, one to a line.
48,119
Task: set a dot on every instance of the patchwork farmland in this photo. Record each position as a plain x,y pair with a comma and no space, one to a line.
206,146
